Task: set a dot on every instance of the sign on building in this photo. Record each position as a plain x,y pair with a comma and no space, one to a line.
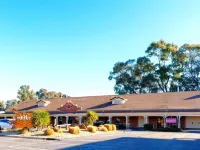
22,119
171,120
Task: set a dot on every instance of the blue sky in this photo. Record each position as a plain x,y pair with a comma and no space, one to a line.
70,46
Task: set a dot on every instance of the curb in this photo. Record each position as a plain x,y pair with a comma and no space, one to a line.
36,138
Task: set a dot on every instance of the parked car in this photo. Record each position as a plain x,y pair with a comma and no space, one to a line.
5,123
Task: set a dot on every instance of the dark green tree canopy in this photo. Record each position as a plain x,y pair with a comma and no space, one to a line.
166,67
2,106
44,94
24,93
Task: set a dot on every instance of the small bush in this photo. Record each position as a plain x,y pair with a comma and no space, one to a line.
40,118
114,128
82,126
90,117
49,132
25,130
60,131
56,129
74,130
148,126
104,129
92,129
108,126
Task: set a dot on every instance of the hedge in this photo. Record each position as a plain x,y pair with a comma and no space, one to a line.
148,126
168,129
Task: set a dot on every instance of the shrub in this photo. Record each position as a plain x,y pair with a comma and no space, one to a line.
90,117
104,129
25,130
114,128
92,129
40,118
74,130
60,131
82,126
56,129
49,132
101,126
148,126
108,126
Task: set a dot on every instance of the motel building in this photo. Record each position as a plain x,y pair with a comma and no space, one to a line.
131,111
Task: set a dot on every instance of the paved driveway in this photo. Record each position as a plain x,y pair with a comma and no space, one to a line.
133,140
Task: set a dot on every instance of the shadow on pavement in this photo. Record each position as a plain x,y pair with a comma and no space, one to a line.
132,143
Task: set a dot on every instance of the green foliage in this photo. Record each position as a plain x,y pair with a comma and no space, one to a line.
24,93
11,103
190,66
164,68
90,117
40,118
162,52
44,94
53,94
134,76
2,106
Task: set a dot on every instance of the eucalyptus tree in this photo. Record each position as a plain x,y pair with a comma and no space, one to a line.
189,66
25,93
42,93
134,76
2,106
161,53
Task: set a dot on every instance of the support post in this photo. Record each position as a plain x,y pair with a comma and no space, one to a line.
179,121
110,119
165,125
146,119
55,120
67,118
80,119
127,125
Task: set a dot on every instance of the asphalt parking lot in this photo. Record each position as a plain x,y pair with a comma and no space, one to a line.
131,140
